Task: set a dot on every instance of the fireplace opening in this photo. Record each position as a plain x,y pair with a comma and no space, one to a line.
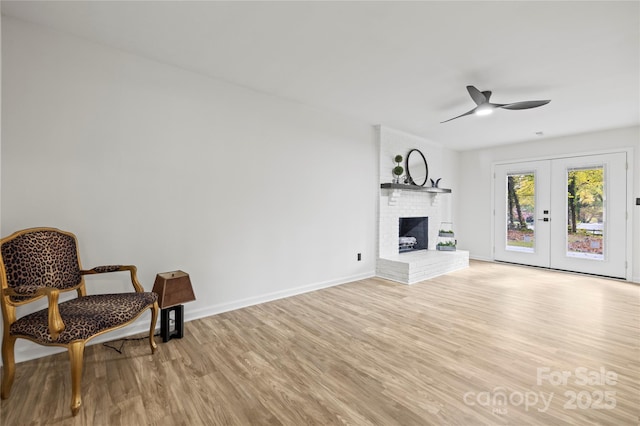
413,233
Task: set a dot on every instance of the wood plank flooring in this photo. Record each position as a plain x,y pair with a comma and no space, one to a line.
462,349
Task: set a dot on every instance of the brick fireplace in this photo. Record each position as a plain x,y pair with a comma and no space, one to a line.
417,265
406,204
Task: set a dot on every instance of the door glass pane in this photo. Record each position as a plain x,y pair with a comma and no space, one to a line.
521,212
585,212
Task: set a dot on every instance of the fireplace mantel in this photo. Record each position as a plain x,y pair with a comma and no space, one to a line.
396,188
402,186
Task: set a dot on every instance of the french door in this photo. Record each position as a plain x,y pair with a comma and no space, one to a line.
565,213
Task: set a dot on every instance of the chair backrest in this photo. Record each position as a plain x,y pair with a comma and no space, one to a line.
39,257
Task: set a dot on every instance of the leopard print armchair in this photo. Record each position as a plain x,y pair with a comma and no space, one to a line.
44,262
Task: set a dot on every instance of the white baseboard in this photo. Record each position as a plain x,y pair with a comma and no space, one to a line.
482,258
256,300
26,350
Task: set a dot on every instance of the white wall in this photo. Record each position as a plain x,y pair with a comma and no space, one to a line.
475,205
254,196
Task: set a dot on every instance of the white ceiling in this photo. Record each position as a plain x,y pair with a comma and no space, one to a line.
401,64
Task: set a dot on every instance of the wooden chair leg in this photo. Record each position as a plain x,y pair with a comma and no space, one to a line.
154,318
9,365
76,357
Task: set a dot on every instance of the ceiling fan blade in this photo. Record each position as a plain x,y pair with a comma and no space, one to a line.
466,113
478,97
484,107
524,105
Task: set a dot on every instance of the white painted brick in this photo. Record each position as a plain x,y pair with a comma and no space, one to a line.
406,267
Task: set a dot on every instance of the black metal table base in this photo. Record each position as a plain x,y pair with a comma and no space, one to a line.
165,330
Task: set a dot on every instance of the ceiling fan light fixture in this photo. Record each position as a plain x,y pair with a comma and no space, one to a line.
484,107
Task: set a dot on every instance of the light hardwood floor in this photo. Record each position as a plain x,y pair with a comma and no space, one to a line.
371,352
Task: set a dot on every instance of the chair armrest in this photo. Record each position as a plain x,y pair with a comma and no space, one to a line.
56,325
24,292
115,268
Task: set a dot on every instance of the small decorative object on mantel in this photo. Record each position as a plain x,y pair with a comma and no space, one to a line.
398,170
434,184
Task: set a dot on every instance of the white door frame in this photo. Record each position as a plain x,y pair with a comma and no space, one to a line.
629,192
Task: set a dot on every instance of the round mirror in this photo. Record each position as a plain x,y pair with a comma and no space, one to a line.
417,169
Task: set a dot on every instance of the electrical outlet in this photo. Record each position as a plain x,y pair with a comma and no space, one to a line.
359,257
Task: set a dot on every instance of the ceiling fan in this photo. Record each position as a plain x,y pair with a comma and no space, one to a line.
484,107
